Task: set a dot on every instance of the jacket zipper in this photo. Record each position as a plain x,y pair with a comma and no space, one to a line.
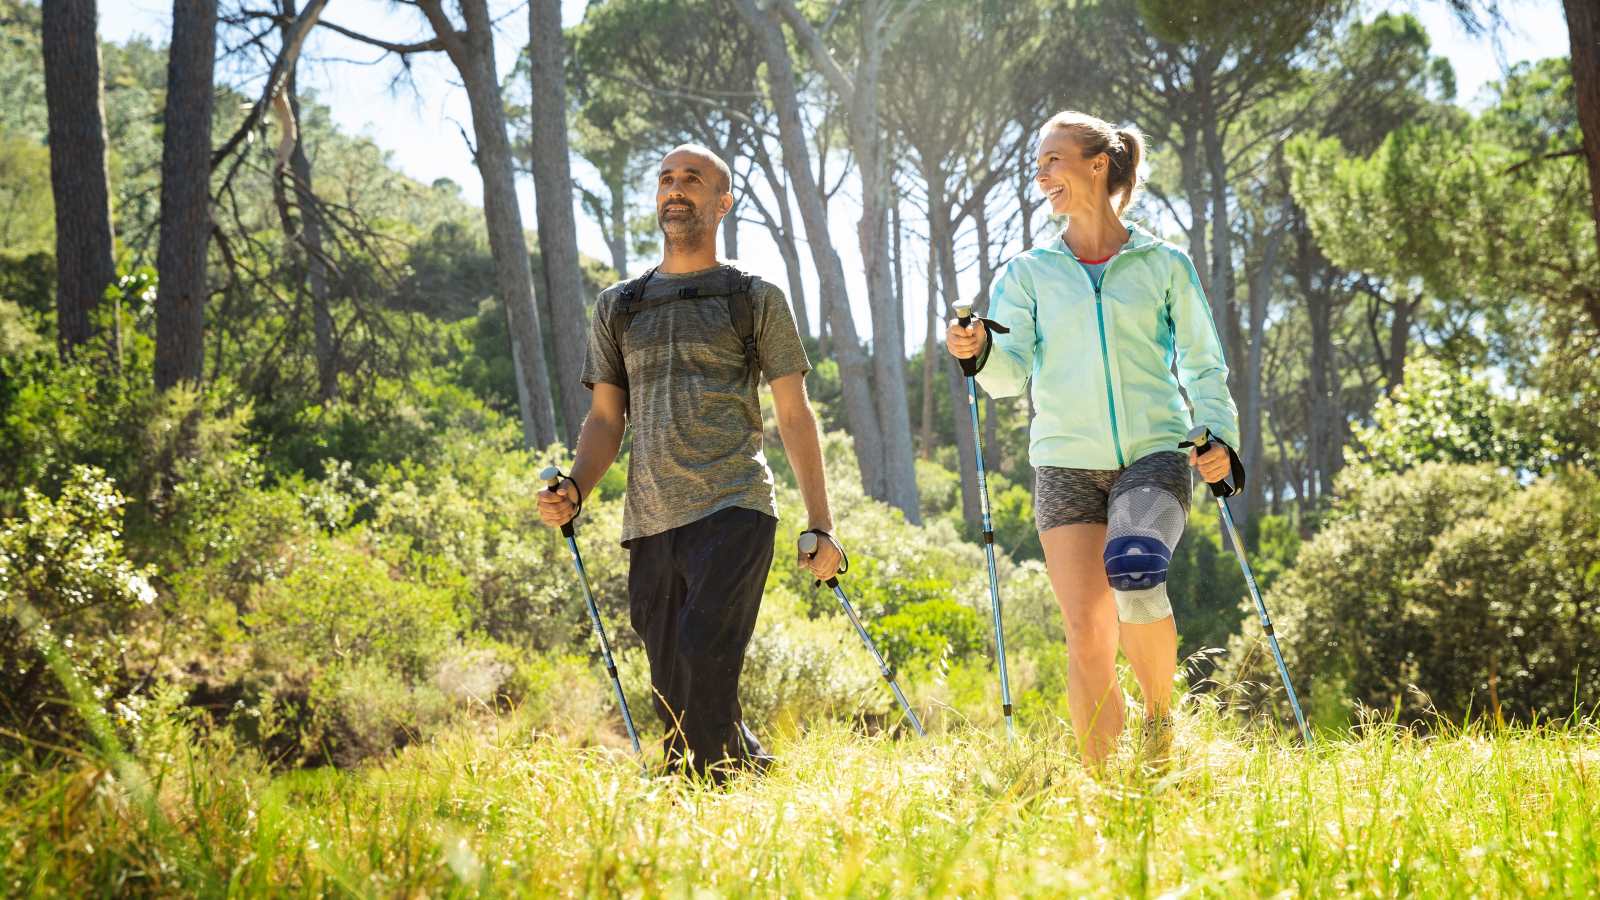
1105,353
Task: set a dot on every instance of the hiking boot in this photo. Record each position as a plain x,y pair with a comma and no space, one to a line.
1155,743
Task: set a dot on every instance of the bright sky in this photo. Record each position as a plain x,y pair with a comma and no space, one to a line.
422,128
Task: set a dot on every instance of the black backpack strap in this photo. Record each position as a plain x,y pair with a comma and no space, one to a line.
738,288
741,309
623,311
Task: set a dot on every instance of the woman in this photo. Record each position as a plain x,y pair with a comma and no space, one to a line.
1095,320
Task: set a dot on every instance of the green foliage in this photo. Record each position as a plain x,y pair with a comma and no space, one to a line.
1205,582
802,670
341,600
29,280
66,588
481,521
1450,415
1451,579
451,271
348,649
929,629
1477,217
27,205
1011,514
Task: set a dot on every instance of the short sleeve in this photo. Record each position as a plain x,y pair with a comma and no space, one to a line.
777,338
603,362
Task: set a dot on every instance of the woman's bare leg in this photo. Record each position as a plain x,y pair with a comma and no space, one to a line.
1075,558
1152,650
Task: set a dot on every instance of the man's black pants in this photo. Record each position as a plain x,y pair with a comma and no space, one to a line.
693,595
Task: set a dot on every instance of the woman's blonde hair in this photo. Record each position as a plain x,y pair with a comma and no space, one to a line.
1124,146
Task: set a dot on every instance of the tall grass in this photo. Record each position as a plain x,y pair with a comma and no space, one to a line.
497,809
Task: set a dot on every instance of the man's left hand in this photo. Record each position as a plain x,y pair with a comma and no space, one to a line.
823,564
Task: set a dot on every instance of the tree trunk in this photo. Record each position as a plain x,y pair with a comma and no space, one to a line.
1399,338
782,231
310,240
78,179
1024,187
472,52
617,234
1223,308
942,240
1254,448
1189,166
1322,440
791,267
991,406
558,230
1583,30
855,375
185,198
932,354
888,319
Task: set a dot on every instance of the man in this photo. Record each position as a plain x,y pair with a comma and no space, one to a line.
679,352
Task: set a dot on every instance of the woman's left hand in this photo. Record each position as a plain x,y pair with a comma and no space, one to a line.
1213,464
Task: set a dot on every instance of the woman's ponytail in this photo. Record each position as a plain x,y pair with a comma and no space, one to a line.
1124,146
1124,176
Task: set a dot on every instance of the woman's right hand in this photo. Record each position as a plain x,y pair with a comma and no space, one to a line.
965,342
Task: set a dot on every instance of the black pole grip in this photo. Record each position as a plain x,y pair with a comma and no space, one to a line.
552,477
969,365
1200,439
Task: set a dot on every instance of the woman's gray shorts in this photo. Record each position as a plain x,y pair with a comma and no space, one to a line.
1083,496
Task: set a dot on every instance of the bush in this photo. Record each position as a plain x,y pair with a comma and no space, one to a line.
481,522
348,651
1448,589
66,589
1446,414
1205,582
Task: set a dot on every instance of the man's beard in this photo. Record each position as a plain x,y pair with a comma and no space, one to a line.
686,233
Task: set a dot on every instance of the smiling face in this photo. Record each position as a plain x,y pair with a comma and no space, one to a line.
1069,181
691,197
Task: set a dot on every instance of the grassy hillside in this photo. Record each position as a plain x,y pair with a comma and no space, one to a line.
514,811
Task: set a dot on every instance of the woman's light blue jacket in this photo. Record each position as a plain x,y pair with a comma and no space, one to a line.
1101,361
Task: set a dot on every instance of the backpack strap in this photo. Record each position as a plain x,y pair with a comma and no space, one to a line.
741,309
738,288
622,313
628,305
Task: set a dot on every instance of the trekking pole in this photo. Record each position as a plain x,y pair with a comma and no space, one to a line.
969,368
1199,438
808,546
553,476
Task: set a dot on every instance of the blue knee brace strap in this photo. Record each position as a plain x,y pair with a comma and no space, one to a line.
1136,563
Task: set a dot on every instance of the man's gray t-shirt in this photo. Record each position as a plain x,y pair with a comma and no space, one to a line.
697,445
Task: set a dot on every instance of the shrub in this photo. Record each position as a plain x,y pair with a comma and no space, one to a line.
64,575
349,652
1450,579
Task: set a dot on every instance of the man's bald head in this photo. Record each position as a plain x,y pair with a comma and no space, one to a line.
700,158
692,196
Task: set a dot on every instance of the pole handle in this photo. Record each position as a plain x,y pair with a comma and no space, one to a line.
1200,438
969,365
552,476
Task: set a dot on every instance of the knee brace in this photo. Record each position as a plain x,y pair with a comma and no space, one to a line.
1142,529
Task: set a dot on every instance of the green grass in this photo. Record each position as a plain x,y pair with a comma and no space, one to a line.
493,809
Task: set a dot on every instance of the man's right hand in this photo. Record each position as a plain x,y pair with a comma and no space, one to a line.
965,342
556,508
